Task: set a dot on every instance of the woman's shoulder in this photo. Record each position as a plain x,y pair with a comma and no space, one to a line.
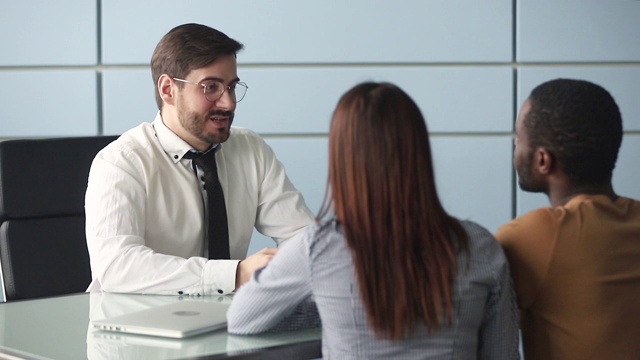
322,233
483,246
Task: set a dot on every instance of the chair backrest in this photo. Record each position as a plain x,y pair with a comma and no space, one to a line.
43,250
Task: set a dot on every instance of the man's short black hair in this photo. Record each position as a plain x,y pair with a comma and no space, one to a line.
580,124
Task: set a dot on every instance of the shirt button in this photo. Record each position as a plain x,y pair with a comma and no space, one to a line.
202,178
180,293
175,156
220,291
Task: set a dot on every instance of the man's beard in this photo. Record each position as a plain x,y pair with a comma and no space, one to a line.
195,124
525,175
526,179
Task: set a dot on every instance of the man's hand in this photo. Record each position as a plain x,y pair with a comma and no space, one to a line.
247,266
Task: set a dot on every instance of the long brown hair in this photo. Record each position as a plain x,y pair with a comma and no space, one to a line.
382,190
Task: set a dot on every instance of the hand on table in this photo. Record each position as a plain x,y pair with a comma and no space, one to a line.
256,261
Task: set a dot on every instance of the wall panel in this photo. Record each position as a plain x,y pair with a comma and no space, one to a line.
128,99
42,103
41,32
577,30
452,99
330,31
473,175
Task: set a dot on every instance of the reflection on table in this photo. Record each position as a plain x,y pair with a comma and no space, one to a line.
60,328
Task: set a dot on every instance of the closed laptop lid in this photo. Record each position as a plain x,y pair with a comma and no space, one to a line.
176,320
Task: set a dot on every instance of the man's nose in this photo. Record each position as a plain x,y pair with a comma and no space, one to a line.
226,101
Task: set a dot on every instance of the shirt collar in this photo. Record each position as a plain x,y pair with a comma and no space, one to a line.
171,143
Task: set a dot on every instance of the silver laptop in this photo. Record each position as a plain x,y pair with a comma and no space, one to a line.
180,319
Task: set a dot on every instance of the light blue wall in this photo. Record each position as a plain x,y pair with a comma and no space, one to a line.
81,68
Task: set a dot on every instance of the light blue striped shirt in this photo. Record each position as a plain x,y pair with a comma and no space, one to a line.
318,265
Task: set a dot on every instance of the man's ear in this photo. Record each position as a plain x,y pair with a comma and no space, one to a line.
543,161
166,88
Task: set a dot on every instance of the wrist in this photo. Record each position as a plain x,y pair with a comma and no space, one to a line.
238,275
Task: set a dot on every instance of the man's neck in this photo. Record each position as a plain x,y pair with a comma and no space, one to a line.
561,196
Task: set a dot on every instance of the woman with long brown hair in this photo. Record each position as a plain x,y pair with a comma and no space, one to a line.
392,274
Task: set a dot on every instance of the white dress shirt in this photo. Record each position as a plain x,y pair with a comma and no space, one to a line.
145,211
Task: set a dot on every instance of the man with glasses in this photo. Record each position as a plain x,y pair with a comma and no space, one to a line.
153,192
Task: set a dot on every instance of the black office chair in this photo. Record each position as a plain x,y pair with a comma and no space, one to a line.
43,251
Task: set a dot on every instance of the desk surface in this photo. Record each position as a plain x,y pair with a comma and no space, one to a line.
59,328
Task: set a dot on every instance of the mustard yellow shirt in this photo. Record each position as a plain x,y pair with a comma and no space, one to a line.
576,270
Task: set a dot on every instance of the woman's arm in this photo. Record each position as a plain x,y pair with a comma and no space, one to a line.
278,295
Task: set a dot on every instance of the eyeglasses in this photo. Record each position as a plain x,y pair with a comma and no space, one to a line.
213,89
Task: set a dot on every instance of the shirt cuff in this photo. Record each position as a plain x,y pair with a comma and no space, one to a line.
219,277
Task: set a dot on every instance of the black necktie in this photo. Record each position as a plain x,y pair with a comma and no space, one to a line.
218,229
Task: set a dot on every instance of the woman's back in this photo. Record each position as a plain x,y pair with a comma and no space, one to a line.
399,277
484,323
